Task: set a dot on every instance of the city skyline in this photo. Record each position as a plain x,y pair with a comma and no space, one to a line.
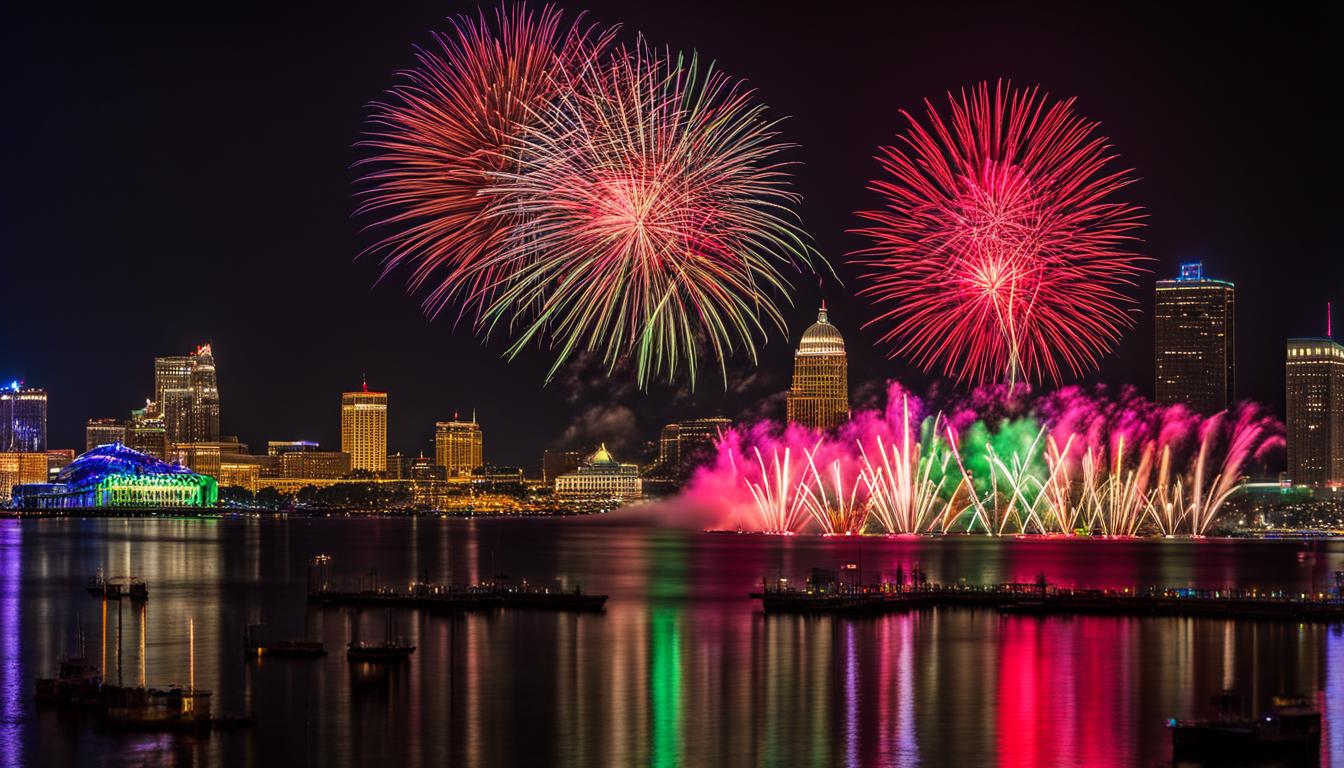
1208,193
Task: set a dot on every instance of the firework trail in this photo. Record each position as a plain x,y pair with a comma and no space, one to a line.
655,217
999,250
1002,462
451,122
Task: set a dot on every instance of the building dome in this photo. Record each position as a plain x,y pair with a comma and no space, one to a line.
602,457
821,338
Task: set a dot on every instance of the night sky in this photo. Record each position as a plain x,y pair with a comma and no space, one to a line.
181,174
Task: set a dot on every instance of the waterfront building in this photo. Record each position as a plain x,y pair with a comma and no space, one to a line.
556,462
105,432
239,474
683,444
364,429
491,477
21,469
398,467
315,464
58,459
424,469
458,447
23,419
600,478
114,476
1194,319
819,397
1315,394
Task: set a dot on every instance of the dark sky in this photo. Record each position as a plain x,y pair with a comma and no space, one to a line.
180,173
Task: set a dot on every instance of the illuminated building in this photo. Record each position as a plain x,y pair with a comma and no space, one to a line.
492,478
1195,332
147,433
556,462
58,459
186,394
104,432
364,429
235,474
116,476
681,444
424,469
21,469
315,464
23,419
458,446
281,447
398,467
600,478
1315,389
819,397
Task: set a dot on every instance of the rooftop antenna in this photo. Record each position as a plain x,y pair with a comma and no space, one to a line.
365,378
1329,330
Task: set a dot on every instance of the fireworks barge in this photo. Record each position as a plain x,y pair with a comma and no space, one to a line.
832,597
79,687
485,596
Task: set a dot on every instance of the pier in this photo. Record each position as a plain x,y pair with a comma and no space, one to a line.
1041,599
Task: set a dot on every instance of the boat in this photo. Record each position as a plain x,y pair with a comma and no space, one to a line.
1292,731
77,682
256,644
118,587
391,649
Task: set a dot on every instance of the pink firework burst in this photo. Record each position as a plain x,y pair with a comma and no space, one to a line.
448,125
1000,251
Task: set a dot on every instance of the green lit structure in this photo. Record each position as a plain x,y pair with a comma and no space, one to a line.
116,477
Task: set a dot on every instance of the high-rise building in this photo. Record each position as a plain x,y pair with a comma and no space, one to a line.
364,429
458,446
324,465
281,447
187,396
23,419
1315,389
146,432
556,462
104,432
1194,318
819,397
681,444
21,468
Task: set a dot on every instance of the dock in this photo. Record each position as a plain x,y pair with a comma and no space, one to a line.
1042,600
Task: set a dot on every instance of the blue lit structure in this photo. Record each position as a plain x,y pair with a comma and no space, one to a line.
114,476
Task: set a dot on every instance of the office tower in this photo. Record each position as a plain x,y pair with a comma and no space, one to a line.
556,462
682,444
146,432
1194,318
364,429
315,465
819,397
21,468
23,419
458,446
187,396
281,447
1315,390
104,432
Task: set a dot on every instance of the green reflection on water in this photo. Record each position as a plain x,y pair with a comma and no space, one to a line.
665,685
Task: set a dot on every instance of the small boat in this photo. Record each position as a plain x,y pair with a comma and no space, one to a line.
391,649
77,682
118,587
1292,731
256,644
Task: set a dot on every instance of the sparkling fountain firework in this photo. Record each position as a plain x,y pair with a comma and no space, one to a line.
1000,251
1001,462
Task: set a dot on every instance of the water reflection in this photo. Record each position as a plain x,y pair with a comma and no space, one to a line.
680,670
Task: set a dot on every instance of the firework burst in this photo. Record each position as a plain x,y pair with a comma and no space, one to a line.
437,137
654,219
999,251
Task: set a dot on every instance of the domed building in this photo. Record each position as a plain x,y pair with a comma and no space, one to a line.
600,478
819,397
114,476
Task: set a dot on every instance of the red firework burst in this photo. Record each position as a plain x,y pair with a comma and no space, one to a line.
1000,249
449,125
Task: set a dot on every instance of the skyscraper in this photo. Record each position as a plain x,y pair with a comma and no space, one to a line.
819,397
458,446
1195,334
23,419
187,396
364,429
1315,389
